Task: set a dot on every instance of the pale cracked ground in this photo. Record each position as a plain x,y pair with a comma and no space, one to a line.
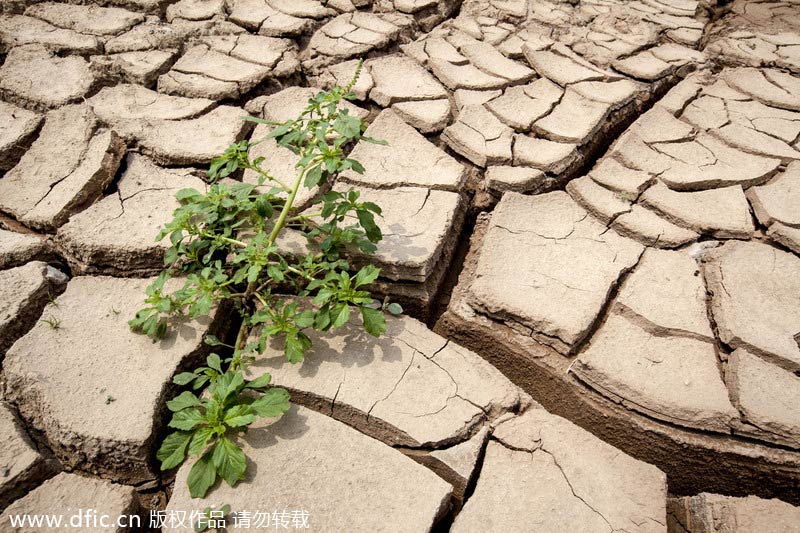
595,205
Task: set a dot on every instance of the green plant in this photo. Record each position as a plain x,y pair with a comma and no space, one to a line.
206,426
54,323
225,244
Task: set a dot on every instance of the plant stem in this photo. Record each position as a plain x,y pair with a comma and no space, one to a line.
225,239
240,338
271,178
287,207
305,216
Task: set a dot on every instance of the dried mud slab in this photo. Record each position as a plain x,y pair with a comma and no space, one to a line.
775,205
304,445
352,35
288,103
35,78
408,160
18,30
427,13
195,9
24,292
140,67
86,19
757,34
68,166
644,367
414,251
706,513
754,289
766,396
18,248
408,388
116,236
541,100
149,35
17,129
668,377
401,83
279,18
541,472
229,66
458,464
548,267
23,466
76,389
413,247
73,492
694,165
158,123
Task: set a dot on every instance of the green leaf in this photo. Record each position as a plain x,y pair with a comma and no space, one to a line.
258,120
304,319
355,165
227,384
394,308
173,450
375,141
322,319
280,130
182,401
294,348
253,272
260,382
186,419
200,440
229,461
214,362
239,415
185,194
264,207
202,476
212,340
313,177
347,126
340,314
275,273
184,378
273,403
370,206
367,275
367,221
374,321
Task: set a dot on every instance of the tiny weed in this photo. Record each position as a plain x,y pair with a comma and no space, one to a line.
54,323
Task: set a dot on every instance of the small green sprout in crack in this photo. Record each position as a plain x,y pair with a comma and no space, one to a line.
53,322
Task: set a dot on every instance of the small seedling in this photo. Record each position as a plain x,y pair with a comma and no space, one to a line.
54,323
225,247
110,399
52,299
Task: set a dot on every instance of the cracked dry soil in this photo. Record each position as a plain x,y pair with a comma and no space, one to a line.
601,273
